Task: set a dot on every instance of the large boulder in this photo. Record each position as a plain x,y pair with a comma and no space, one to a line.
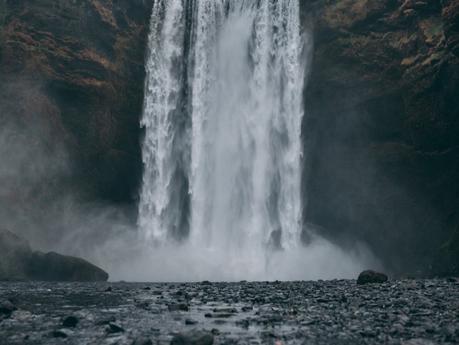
371,277
56,267
19,262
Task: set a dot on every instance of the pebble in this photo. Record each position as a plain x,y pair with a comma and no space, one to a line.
70,321
114,328
408,312
59,334
178,307
7,308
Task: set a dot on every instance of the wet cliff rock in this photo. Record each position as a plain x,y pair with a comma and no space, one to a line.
79,66
382,129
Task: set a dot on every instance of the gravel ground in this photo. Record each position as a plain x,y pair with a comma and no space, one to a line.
412,312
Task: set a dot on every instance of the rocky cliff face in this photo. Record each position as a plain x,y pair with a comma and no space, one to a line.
78,66
381,131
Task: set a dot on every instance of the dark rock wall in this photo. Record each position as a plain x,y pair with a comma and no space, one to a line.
382,130
84,59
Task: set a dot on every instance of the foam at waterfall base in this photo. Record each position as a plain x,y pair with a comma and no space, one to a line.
186,263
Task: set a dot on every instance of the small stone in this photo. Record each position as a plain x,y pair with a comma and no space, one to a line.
59,334
370,277
190,322
106,321
225,310
178,307
70,321
7,308
109,289
193,338
114,328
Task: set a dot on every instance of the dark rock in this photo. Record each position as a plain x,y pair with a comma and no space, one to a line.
369,277
106,321
114,328
70,321
59,334
190,322
19,262
225,310
193,338
178,307
7,308
56,267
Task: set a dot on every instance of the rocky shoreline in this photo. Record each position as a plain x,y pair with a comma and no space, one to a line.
421,312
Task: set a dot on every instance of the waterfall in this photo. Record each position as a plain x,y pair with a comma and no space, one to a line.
222,116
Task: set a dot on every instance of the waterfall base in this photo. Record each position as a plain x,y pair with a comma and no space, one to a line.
187,263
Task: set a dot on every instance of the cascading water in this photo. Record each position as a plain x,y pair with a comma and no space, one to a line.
222,150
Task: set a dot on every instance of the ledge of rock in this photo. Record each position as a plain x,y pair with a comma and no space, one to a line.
19,262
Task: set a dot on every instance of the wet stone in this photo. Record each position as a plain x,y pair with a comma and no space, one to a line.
70,321
178,307
193,338
105,321
371,277
7,308
59,334
114,328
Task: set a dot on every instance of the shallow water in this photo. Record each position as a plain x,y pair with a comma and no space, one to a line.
322,312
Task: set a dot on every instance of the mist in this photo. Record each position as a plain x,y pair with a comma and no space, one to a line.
39,200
